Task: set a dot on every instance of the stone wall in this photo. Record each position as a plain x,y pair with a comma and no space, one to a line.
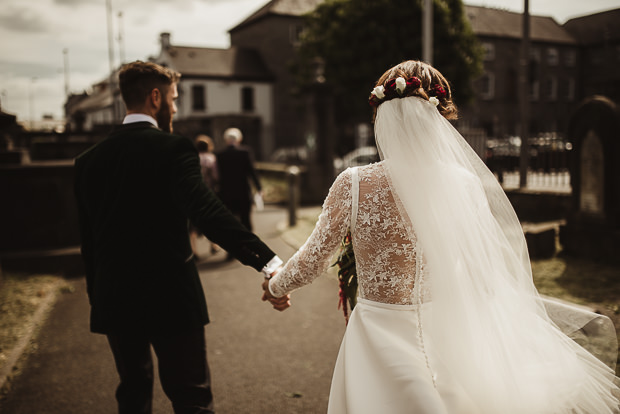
38,218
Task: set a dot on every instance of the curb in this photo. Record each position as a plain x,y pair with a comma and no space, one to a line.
36,321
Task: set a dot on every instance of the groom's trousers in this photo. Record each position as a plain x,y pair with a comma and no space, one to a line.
183,371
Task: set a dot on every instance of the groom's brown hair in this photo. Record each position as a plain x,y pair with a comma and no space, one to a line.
137,80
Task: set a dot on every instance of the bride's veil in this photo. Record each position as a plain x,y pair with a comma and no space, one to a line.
487,323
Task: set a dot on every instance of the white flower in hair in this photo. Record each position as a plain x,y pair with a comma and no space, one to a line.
401,84
379,92
434,100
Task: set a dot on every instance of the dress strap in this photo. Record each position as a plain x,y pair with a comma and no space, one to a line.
354,197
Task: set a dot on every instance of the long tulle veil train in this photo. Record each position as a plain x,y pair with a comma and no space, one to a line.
488,323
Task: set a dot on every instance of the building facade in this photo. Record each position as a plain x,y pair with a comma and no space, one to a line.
250,85
598,39
273,31
552,78
222,88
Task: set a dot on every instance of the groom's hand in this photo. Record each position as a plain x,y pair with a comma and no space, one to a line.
281,303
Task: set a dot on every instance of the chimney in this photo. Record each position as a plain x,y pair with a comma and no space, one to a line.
164,40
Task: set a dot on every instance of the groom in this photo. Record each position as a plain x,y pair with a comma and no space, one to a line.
136,191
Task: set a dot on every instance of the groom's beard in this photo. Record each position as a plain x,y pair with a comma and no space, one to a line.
164,117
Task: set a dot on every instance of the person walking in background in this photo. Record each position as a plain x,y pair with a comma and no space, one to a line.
208,169
236,169
208,161
135,192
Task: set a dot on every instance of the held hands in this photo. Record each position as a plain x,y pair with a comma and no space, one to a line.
281,303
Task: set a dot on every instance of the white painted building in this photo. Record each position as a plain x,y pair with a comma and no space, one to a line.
222,88
219,89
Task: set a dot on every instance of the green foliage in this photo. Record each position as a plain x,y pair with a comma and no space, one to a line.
358,40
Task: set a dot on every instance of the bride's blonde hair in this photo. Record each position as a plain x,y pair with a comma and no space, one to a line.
430,78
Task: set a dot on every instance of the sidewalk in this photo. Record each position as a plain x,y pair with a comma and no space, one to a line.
262,361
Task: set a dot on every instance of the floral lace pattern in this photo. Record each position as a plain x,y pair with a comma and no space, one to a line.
384,251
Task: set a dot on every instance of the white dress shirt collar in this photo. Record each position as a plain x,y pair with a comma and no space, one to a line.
132,118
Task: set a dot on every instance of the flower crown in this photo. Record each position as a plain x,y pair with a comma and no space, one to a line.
397,88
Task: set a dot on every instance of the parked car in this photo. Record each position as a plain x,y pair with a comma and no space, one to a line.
357,157
290,155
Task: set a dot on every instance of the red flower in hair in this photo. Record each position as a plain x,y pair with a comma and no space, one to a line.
413,82
438,91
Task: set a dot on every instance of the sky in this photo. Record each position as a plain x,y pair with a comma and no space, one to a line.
49,46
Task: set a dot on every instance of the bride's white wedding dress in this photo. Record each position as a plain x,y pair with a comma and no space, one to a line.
388,363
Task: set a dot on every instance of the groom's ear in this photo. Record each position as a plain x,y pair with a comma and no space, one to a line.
154,99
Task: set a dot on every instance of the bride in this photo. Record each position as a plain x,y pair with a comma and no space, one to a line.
448,320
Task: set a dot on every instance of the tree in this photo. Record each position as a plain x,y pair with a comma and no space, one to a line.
357,40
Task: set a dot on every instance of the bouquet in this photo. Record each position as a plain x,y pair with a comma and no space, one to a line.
347,276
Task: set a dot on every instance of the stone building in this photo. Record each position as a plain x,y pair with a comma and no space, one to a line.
598,39
273,31
552,79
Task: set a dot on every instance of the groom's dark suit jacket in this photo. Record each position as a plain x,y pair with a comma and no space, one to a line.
136,191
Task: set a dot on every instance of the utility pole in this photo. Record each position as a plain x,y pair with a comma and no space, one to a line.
65,53
427,32
112,83
121,38
524,87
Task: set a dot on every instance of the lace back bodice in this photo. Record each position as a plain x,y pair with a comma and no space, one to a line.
385,248
384,252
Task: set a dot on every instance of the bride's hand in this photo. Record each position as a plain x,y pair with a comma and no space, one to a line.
280,303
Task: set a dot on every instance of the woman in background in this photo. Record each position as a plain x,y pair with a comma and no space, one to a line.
208,168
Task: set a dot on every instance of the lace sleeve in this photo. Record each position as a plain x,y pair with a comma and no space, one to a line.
313,258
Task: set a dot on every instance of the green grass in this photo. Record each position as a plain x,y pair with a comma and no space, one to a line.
580,281
20,297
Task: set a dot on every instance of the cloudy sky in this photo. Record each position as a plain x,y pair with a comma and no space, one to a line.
39,36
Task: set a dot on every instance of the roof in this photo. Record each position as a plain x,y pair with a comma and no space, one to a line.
233,63
595,28
95,101
502,23
282,8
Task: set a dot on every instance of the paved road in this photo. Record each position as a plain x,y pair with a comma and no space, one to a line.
262,361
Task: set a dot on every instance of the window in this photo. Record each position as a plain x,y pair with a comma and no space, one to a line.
247,98
534,90
553,57
487,86
512,85
551,88
295,31
570,58
489,51
567,89
198,98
